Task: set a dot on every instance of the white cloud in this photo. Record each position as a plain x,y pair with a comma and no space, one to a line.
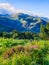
8,7
12,9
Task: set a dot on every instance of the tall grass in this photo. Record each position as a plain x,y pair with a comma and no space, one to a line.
24,52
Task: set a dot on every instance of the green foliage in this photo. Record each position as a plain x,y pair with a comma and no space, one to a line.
6,42
44,32
21,59
24,52
47,26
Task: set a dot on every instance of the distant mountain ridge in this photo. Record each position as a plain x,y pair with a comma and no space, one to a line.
21,22
14,19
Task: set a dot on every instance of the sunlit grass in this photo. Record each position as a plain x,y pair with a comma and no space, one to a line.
24,52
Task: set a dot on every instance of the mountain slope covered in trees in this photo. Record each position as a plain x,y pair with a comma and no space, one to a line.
21,22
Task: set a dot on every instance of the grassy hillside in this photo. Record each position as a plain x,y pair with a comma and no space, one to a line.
24,52
25,48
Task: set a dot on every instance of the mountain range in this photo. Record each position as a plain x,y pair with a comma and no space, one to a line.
20,21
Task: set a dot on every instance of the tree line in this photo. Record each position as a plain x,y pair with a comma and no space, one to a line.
43,34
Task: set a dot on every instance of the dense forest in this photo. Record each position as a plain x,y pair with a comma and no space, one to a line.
43,34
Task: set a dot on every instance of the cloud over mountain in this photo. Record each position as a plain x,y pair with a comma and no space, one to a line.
11,9
20,20
8,7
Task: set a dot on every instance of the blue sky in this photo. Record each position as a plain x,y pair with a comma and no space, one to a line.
34,6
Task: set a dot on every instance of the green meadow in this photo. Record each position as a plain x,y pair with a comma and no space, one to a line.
24,52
